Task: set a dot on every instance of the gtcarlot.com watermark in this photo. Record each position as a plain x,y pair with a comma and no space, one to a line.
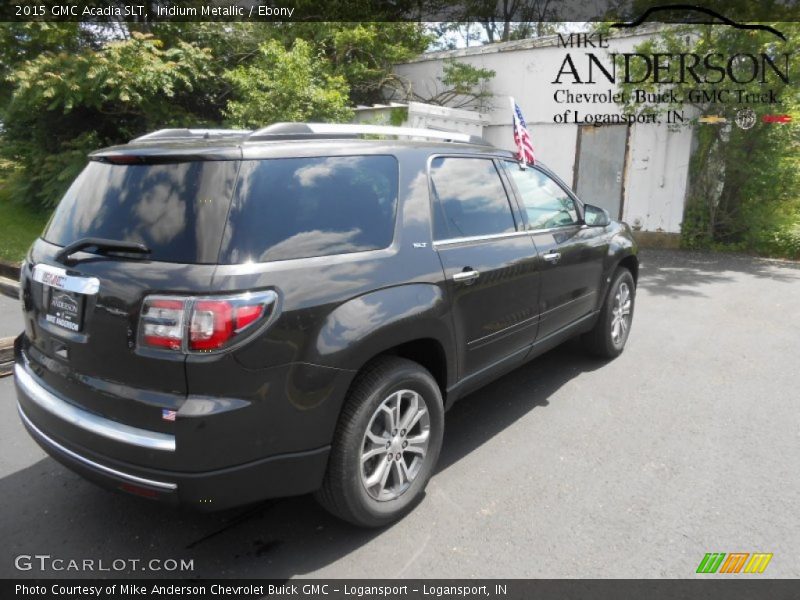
44,563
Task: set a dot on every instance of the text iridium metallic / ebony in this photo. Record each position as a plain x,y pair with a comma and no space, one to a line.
221,324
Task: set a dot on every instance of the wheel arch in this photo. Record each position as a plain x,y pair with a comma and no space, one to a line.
411,321
630,262
427,352
622,252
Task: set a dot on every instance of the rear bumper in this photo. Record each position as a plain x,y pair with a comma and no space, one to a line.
49,418
72,458
83,419
276,476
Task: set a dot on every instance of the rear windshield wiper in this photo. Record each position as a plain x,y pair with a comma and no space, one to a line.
102,246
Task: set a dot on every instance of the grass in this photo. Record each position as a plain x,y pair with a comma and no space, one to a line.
19,226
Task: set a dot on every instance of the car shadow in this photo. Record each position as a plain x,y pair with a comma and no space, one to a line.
49,510
478,417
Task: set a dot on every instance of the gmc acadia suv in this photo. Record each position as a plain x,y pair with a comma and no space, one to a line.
215,317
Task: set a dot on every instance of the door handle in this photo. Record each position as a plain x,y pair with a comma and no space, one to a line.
467,276
552,257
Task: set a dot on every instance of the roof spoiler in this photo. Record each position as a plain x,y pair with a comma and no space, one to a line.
190,134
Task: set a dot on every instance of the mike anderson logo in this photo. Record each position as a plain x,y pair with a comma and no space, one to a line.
735,562
688,67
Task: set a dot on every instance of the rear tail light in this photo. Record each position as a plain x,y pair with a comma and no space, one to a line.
202,324
212,324
162,323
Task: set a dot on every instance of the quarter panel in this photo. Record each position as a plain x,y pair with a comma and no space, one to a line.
370,324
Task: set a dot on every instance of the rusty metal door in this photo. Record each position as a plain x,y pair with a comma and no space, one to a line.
600,171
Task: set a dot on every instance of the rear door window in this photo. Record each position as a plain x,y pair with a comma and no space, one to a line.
302,207
176,209
469,199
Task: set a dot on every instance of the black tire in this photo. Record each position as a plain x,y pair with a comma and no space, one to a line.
344,492
600,341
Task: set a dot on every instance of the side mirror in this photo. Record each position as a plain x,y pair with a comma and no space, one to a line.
594,216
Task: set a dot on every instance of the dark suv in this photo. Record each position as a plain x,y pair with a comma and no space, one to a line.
216,317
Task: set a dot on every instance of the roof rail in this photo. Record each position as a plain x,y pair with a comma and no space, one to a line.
287,131
190,134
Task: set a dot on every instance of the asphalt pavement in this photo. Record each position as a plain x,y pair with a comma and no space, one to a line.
568,467
10,317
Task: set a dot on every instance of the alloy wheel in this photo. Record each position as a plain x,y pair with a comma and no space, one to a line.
395,445
621,314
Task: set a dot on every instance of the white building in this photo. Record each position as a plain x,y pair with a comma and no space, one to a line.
639,171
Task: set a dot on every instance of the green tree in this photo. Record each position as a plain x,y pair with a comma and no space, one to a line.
286,85
21,42
461,86
69,88
507,20
65,104
363,53
743,182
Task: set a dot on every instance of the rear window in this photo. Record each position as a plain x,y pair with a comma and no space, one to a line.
303,207
176,209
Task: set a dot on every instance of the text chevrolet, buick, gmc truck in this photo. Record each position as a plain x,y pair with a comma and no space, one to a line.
215,317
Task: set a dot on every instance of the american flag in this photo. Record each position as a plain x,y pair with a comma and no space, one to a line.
521,136
168,415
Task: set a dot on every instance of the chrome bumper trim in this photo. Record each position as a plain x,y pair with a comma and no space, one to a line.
107,428
90,463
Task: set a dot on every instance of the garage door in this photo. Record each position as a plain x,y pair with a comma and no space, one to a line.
601,162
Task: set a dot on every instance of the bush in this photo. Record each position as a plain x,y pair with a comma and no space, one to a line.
66,104
286,85
775,230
